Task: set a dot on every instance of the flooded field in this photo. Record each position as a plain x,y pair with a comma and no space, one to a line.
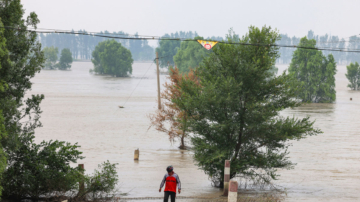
84,108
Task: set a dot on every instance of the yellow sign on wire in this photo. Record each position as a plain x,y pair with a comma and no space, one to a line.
207,44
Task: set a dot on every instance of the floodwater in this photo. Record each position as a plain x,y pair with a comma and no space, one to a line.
84,108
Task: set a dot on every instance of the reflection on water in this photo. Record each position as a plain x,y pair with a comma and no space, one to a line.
81,107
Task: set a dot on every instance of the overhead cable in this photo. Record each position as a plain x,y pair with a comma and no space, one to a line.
179,39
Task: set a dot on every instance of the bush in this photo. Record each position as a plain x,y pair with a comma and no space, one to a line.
102,183
36,170
43,171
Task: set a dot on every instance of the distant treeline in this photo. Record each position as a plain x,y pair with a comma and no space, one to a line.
325,41
82,46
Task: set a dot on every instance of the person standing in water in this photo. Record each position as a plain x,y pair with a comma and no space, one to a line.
172,180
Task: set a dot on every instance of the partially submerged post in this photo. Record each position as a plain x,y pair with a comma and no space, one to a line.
233,190
350,98
226,177
136,154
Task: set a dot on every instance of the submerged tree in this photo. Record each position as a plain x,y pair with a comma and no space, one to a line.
353,75
51,56
235,109
315,73
110,57
170,118
65,59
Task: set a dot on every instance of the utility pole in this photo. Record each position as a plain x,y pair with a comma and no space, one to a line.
158,79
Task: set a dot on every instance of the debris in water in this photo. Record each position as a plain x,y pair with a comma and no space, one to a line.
121,106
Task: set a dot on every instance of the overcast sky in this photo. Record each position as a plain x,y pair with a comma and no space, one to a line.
207,17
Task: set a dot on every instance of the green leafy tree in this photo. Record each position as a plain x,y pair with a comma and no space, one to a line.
3,134
51,55
17,69
37,171
110,57
33,170
315,73
190,54
235,109
65,59
353,75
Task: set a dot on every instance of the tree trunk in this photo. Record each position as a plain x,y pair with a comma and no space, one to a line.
182,146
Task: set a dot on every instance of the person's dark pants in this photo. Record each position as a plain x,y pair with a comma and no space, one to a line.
167,194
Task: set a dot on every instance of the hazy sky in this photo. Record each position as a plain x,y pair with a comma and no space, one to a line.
207,17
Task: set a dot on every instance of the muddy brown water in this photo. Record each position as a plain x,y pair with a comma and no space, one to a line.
84,108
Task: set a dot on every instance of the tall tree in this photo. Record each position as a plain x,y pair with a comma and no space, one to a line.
25,60
353,75
189,55
170,119
4,55
110,57
20,115
65,59
315,73
235,110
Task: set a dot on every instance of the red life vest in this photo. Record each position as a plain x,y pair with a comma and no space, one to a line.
171,182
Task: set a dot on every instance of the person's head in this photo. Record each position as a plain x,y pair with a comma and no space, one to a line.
170,169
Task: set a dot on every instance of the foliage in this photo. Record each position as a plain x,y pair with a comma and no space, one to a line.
101,183
353,75
167,49
32,169
190,54
325,41
21,115
51,55
315,73
65,59
81,46
43,170
3,87
235,110
110,57
170,118
39,169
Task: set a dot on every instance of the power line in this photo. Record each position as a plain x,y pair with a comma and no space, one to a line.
84,31
179,39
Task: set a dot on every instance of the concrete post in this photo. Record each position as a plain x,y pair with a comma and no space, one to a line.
226,177
136,154
233,190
